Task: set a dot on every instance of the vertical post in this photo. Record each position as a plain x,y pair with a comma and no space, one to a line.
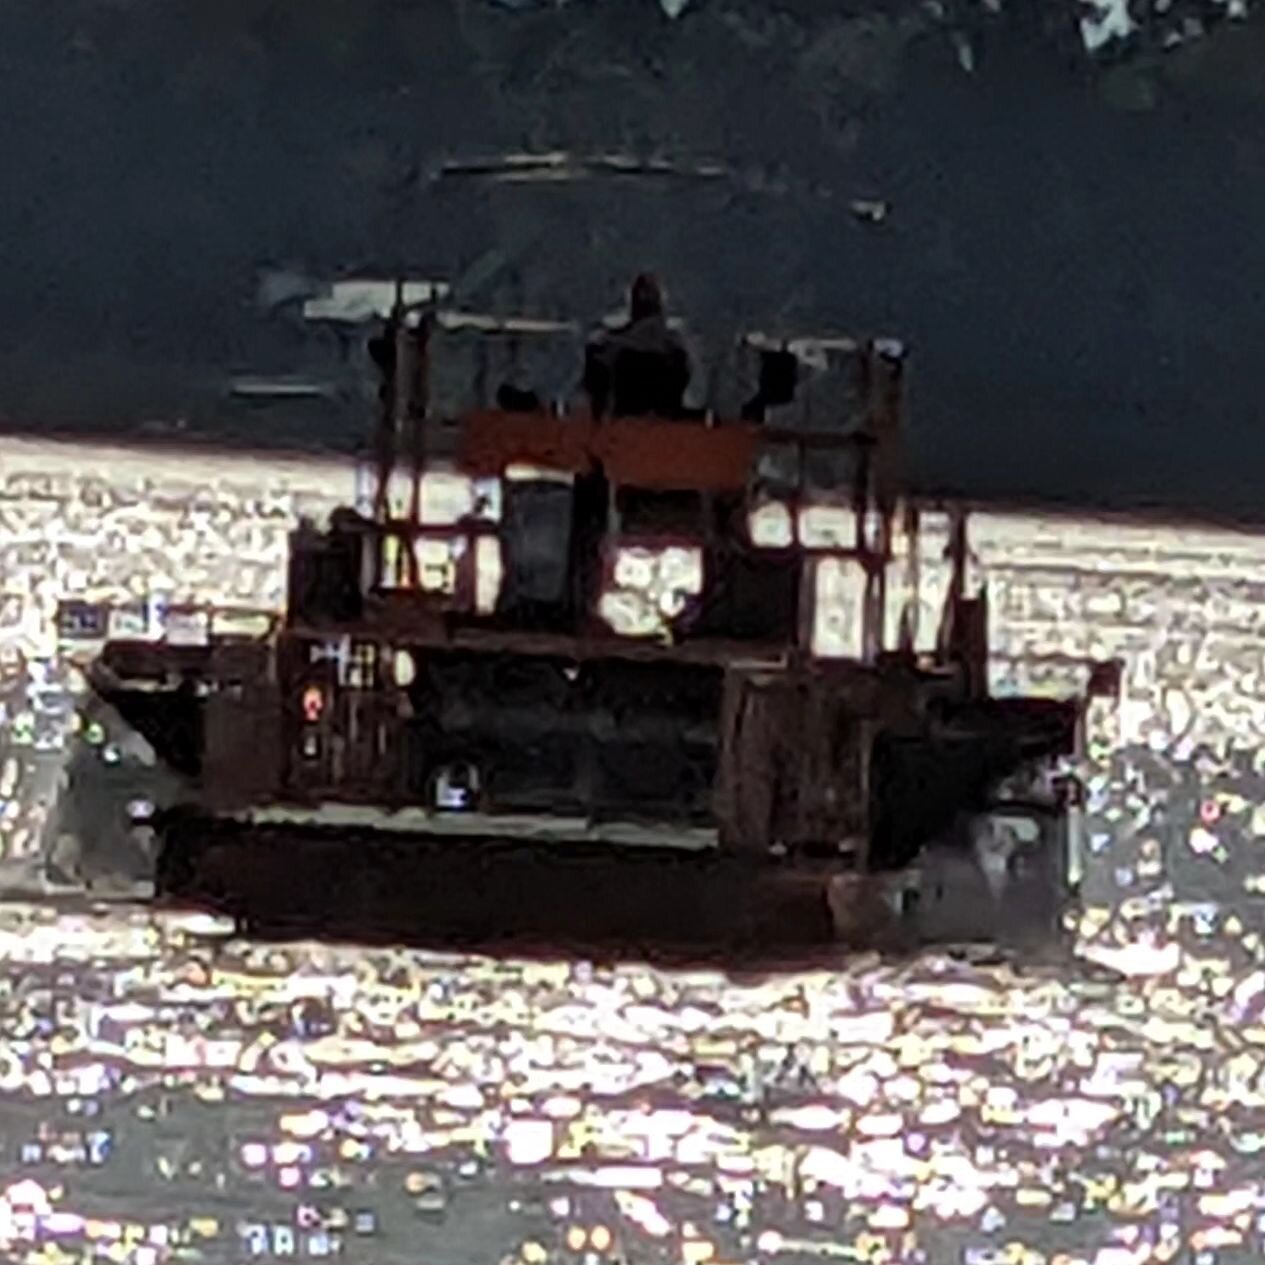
400,364
877,587
977,645
806,588
886,378
385,350
957,554
418,411
404,352
869,558
865,441
913,586
960,627
806,597
861,495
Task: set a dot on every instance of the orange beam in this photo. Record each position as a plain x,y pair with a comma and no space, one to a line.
491,441
634,451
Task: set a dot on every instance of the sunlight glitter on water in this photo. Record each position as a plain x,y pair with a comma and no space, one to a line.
166,1095
311,1101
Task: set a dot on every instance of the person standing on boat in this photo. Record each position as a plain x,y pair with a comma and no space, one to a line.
641,368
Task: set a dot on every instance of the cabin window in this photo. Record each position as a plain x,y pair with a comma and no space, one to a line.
360,671
489,574
771,526
838,608
631,614
395,568
675,570
437,563
436,559
399,493
650,588
448,498
828,527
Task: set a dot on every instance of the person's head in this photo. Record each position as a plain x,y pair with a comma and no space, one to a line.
646,298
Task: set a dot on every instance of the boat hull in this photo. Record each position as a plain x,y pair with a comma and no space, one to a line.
539,897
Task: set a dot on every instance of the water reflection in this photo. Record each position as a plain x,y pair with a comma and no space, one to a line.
166,1095
170,1095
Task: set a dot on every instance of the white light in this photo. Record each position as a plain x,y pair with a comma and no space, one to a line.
651,588
240,623
404,668
770,526
838,603
433,553
446,498
629,614
681,570
634,569
394,573
399,493
436,563
489,571
362,300
828,527
671,603
524,472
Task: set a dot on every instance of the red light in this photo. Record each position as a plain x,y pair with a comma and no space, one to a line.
313,704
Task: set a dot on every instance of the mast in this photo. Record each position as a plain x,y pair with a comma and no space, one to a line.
386,351
880,471
417,407
401,353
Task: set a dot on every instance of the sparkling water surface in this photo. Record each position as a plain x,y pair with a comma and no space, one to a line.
169,1093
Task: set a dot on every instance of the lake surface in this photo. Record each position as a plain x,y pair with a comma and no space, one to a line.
167,1094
